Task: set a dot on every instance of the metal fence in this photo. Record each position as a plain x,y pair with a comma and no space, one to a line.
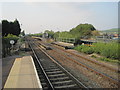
67,40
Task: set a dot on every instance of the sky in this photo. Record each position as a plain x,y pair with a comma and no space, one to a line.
38,16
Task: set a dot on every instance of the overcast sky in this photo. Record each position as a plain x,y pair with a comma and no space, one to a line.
36,16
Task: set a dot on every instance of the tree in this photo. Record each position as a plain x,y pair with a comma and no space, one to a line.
23,33
65,34
50,33
82,31
17,27
95,33
5,27
6,46
10,31
10,28
56,34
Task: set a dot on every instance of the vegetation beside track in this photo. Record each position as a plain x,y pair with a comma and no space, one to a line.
109,51
10,31
6,46
80,31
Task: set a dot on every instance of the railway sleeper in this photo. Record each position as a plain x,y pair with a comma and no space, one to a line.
60,79
43,83
54,72
44,86
56,76
52,65
40,74
51,70
38,69
42,79
46,62
73,86
62,85
65,82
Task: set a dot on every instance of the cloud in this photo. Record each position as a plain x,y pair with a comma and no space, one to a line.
36,17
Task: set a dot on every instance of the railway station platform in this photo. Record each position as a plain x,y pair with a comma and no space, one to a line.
23,74
63,44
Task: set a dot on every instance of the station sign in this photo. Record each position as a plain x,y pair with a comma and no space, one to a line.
12,42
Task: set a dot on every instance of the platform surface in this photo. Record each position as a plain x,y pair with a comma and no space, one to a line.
64,44
23,74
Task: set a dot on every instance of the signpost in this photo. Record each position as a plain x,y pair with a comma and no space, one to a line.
12,42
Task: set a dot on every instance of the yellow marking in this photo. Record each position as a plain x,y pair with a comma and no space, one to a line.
18,59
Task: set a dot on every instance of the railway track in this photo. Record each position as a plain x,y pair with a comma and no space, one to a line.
107,77
116,70
51,73
92,64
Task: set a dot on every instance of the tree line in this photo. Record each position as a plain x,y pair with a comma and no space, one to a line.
10,31
79,32
10,27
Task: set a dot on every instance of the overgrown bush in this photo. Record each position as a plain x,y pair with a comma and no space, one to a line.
6,46
98,47
22,39
109,60
10,37
109,50
85,49
79,47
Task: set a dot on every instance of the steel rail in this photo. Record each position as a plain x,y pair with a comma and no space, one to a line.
88,59
58,47
80,83
99,73
63,68
50,84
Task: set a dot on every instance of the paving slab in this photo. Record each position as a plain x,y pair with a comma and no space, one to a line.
23,74
7,64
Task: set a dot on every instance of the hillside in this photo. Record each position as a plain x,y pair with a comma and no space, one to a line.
113,30
82,30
